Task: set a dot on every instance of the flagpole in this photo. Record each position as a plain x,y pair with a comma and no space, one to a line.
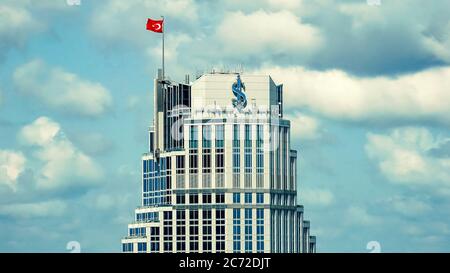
163,30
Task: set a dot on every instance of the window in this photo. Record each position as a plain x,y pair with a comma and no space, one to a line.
220,132
193,161
157,183
193,230
236,230
193,198
248,156
260,230
142,247
206,198
181,199
206,160
219,161
127,247
207,230
167,222
206,156
236,157
220,198
193,142
236,197
147,217
193,158
260,198
248,231
181,230
259,156
154,239
248,197
248,135
137,232
180,164
220,230
206,136
220,157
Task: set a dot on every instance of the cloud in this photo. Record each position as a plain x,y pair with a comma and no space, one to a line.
440,47
353,37
130,18
44,209
285,4
390,39
172,54
16,24
170,51
111,201
18,21
441,150
421,96
61,90
12,164
316,197
365,40
304,127
62,165
408,206
359,216
271,33
94,144
403,157
41,132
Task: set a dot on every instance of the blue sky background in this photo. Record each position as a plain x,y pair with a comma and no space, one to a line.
367,89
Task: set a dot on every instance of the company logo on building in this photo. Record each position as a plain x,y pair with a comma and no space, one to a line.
240,101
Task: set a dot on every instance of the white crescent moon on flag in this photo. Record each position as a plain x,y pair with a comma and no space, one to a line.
157,26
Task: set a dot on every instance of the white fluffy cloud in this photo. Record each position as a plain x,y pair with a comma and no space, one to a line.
419,96
316,197
263,32
403,156
41,132
430,28
33,210
18,23
12,164
130,18
61,90
304,127
62,164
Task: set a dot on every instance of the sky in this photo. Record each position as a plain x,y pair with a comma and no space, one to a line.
367,89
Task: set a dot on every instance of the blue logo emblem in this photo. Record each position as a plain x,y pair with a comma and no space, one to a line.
240,101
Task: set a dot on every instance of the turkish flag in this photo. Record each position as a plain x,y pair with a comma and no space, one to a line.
155,25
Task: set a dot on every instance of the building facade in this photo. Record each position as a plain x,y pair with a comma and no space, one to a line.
219,174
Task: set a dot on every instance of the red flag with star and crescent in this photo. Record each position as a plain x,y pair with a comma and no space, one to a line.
155,25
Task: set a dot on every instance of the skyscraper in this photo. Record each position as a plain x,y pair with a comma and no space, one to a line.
219,174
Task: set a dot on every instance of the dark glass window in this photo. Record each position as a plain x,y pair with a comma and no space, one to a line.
181,199
193,198
248,197
260,198
206,198
236,197
220,198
